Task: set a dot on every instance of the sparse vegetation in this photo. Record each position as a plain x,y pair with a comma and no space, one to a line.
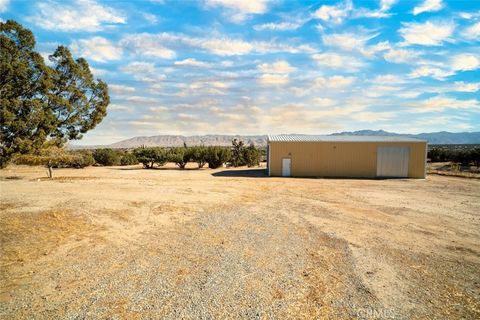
49,157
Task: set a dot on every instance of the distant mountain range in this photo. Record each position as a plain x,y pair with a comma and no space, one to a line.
442,137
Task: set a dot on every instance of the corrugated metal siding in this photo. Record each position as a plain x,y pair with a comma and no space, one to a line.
340,159
313,138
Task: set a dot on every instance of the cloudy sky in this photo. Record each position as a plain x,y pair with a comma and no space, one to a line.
270,66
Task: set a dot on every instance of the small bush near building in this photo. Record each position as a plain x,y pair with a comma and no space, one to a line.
217,156
252,156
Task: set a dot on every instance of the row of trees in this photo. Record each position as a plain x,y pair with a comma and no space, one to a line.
462,156
215,156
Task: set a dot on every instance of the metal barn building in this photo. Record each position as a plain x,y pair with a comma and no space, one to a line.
346,156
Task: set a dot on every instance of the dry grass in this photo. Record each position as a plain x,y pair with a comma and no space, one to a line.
114,243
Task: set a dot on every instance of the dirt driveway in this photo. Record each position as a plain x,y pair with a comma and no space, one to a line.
123,242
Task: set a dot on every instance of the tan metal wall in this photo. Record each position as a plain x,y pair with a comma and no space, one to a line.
340,159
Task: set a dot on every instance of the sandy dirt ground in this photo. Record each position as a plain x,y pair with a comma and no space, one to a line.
123,242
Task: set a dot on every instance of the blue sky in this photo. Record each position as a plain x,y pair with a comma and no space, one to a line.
270,66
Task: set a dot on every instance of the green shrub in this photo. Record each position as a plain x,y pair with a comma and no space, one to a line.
199,155
180,156
252,156
237,153
128,159
217,156
84,159
106,157
465,157
151,156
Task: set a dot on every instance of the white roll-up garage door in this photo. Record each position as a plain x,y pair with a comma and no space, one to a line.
392,162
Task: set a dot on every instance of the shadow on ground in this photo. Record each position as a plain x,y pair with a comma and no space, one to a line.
249,173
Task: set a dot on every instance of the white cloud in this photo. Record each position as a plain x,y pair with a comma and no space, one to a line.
4,5
98,72
347,41
143,71
441,103
401,55
160,44
275,73
273,79
120,89
191,62
204,87
146,44
280,66
138,67
355,42
469,15
141,100
324,102
119,107
472,32
334,82
338,61
97,49
334,13
429,71
240,10
150,17
82,15
280,26
372,117
382,12
427,34
428,6
388,79
465,62
223,46
466,87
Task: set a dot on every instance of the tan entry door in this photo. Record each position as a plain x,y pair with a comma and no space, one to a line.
393,162
286,167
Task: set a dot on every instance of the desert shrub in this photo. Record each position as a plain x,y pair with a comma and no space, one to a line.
180,156
51,157
237,153
252,156
151,156
84,158
106,157
128,159
462,156
217,156
199,155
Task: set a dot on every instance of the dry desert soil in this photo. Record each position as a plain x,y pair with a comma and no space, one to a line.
129,243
